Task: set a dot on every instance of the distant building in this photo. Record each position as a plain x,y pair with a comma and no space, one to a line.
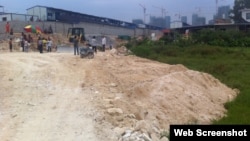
157,21
16,17
184,19
196,20
54,14
137,21
245,13
178,24
168,21
2,7
223,12
222,15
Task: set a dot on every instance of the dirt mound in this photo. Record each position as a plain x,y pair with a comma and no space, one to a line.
154,95
188,96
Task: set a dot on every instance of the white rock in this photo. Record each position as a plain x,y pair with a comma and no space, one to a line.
115,111
127,135
146,137
154,137
131,116
143,126
164,139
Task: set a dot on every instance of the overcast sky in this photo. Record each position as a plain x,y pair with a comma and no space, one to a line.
124,10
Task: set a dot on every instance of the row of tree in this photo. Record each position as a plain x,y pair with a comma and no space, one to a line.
236,11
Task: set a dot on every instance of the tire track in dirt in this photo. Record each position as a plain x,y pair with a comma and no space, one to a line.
47,101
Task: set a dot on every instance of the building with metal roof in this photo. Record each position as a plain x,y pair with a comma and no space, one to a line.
54,14
45,13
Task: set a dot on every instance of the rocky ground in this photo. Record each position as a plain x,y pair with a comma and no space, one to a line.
113,97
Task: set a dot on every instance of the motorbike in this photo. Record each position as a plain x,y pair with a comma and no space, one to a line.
87,52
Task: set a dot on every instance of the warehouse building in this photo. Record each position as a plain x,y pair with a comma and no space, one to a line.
54,14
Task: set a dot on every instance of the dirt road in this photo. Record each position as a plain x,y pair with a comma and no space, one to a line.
61,97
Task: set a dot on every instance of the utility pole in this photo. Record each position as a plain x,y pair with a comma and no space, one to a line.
144,13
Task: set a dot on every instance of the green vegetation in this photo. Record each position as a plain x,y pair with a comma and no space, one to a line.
230,64
235,13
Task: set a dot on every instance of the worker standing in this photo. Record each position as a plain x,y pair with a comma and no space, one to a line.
76,47
104,43
93,44
7,28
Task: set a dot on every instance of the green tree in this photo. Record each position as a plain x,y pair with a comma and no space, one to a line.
236,11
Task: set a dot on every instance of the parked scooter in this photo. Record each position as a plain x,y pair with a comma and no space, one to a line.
87,52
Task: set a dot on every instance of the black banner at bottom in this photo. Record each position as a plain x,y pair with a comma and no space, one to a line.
212,132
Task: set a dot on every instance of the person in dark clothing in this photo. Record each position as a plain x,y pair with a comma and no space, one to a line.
50,30
76,47
30,39
22,44
40,45
10,44
22,41
11,31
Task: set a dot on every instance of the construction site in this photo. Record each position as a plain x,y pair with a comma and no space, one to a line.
115,96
